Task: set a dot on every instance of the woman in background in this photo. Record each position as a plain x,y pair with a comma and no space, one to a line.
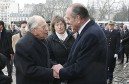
59,42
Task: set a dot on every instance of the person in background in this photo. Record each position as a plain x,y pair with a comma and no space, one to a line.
113,39
59,42
3,78
124,50
13,29
106,26
17,36
6,46
31,57
49,30
125,44
87,60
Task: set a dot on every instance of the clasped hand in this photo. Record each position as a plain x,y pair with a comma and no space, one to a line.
56,69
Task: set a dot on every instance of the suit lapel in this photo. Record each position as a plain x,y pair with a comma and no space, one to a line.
87,27
78,38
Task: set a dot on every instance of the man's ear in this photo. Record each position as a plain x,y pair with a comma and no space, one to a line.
78,19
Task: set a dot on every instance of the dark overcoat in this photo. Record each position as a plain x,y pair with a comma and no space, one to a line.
113,39
32,61
6,43
87,59
59,50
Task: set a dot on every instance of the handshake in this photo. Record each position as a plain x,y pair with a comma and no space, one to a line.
56,69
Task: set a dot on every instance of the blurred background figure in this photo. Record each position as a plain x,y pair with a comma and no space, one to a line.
49,30
106,26
59,42
6,46
113,39
17,36
13,29
124,32
3,78
125,43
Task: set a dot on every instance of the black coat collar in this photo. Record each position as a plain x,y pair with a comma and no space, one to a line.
90,23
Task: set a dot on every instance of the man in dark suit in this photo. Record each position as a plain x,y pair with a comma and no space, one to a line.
87,59
125,44
31,56
13,29
113,38
6,46
124,34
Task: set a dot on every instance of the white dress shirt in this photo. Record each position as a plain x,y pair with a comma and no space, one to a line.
80,30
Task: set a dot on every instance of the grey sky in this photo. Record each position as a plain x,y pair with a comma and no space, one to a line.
84,2
21,2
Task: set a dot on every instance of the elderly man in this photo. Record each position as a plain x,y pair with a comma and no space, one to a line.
31,57
87,59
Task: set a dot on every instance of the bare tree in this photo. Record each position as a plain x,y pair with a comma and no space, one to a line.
56,7
106,8
91,9
123,14
64,5
51,8
38,9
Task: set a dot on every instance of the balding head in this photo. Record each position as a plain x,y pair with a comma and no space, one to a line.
38,26
33,22
79,9
76,16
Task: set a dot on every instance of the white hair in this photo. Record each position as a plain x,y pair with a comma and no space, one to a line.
32,23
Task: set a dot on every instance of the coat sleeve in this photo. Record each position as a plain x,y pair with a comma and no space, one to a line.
9,38
117,43
83,60
27,66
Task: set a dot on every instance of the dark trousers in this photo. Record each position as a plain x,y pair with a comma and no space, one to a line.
122,55
110,69
9,67
111,64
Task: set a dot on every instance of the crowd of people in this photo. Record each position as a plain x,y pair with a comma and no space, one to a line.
74,50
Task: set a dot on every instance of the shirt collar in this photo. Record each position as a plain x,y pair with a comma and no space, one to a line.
83,26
